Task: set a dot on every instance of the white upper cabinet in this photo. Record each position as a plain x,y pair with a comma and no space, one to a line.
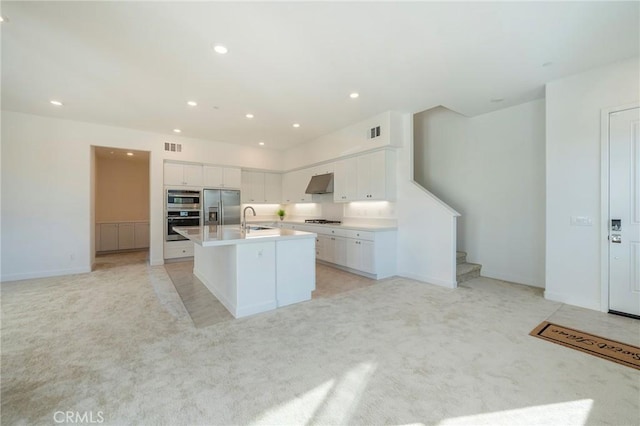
273,188
261,187
365,177
222,177
182,174
345,185
294,185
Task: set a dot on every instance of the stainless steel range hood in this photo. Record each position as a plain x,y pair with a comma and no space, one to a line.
320,184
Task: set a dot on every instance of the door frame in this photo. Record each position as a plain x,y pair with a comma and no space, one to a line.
604,200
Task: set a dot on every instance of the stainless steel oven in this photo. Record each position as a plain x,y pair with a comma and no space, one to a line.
181,199
180,218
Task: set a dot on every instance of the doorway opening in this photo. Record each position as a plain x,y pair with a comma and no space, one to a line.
120,203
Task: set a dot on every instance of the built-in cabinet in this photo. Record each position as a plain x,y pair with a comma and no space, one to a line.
365,177
294,185
222,177
178,174
122,236
181,174
369,253
261,187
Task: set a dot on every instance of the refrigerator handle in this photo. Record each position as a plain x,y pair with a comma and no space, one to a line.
221,212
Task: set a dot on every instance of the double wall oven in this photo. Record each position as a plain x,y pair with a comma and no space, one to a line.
183,209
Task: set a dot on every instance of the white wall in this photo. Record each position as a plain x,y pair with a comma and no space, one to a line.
426,225
490,168
573,108
348,141
47,185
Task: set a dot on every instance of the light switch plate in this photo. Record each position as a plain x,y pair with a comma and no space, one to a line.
581,221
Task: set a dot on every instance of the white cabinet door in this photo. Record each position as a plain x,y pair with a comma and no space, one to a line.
173,174
324,248
141,235
273,188
288,187
372,176
294,184
221,177
252,187
108,236
183,174
345,180
126,236
367,256
231,177
339,250
213,177
192,175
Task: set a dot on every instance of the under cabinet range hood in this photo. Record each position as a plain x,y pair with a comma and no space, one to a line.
320,184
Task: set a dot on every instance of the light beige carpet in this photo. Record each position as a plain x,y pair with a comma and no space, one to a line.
118,341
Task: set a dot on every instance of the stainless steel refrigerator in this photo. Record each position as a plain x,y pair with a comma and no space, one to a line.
221,207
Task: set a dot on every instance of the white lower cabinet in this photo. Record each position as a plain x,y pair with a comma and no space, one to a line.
360,255
122,236
178,249
369,253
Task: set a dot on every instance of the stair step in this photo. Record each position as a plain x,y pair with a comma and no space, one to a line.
467,271
461,257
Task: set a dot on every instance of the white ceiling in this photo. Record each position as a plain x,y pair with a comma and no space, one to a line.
136,64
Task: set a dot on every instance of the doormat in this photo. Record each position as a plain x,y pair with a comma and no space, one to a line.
612,350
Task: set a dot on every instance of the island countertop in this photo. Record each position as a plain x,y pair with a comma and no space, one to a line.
213,235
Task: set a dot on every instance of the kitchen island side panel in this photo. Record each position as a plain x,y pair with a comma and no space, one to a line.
295,270
256,278
216,267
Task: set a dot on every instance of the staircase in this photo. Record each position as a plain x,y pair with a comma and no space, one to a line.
465,271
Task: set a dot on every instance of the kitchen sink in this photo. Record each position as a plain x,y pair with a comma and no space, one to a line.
258,228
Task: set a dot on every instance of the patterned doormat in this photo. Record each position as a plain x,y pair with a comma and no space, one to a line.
602,347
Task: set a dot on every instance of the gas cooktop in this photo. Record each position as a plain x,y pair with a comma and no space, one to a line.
321,221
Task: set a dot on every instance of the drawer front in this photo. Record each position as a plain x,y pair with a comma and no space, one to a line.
338,232
177,252
361,235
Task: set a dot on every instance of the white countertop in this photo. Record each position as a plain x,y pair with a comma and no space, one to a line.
355,227
212,235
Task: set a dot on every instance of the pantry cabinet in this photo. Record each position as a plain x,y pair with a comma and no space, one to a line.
178,174
222,177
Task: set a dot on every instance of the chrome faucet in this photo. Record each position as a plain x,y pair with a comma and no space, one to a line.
244,216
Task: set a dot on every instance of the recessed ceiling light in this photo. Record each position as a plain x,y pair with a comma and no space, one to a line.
296,125
130,154
220,49
354,95
249,115
1,19
177,130
56,103
192,103
496,100
261,143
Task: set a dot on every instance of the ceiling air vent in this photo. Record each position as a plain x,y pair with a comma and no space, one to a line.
173,147
374,132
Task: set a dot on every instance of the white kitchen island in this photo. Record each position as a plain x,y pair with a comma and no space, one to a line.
253,271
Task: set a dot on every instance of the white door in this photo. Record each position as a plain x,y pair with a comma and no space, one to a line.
624,211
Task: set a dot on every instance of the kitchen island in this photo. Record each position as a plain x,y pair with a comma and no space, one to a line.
256,270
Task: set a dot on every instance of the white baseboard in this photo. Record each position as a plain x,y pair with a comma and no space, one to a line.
430,280
44,274
569,300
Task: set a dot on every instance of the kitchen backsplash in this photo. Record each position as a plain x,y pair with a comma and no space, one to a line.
369,212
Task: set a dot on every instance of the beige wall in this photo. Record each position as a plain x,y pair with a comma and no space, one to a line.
122,189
